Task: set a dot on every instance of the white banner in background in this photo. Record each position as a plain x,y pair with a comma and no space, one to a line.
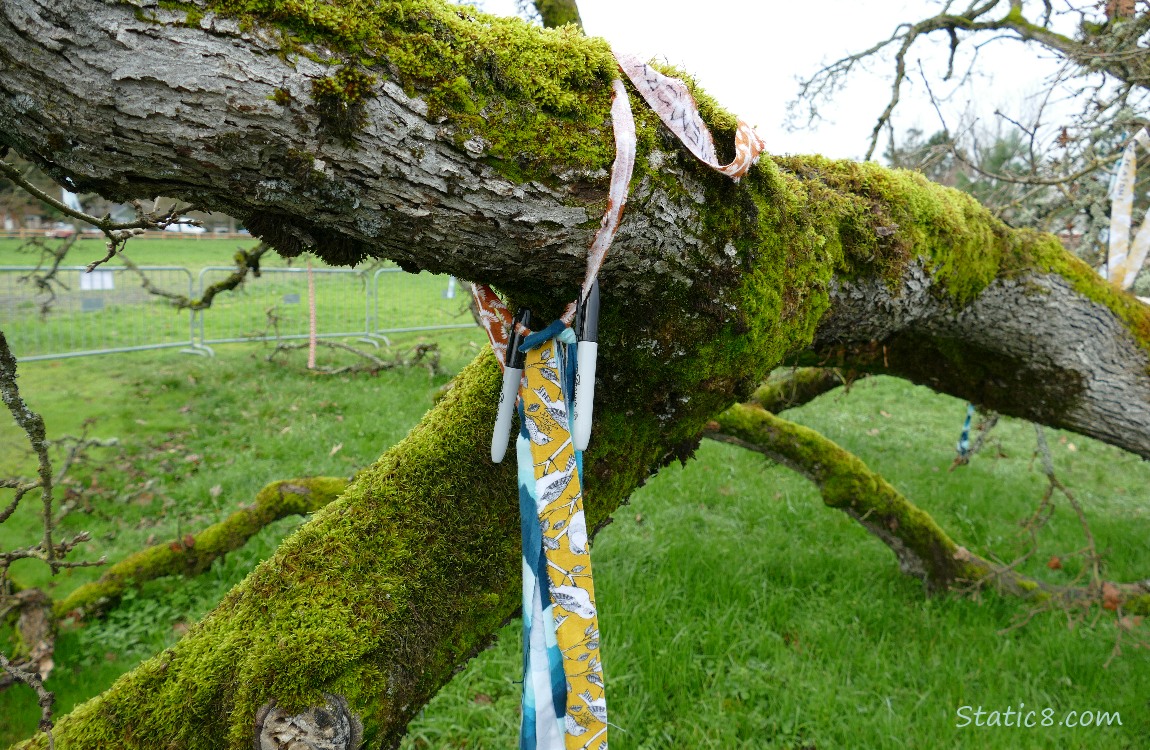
1125,259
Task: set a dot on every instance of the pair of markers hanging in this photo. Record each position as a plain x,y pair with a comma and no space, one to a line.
549,381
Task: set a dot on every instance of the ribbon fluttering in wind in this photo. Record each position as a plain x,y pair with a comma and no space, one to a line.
963,447
1125,259
564,700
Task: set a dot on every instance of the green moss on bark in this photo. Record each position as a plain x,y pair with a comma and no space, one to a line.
790,387
540,99
339,101
386,591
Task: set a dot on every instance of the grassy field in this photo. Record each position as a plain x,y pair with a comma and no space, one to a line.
736,610
127,315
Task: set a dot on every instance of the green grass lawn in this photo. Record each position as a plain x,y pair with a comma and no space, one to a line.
736,610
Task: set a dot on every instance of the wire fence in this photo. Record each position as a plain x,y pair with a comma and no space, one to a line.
105,311
109,310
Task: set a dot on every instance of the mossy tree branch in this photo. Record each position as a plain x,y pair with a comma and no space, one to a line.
482,151
922,548
791,387
194,553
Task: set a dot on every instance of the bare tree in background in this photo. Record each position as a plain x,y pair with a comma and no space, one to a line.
1058,176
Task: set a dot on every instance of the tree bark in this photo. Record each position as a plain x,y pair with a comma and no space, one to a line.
479,147
555,13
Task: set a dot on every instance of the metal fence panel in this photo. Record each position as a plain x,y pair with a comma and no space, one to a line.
109,310
278,302
101,312
418,302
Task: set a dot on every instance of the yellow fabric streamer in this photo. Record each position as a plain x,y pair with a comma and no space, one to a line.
559,500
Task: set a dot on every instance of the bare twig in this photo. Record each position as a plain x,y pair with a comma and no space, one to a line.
117,235
1106,68
247,261
37,616
45,698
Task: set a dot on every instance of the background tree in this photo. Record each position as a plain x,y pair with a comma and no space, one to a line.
1063,154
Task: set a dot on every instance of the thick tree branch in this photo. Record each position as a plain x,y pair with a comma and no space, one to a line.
792,387
1039,336
555,13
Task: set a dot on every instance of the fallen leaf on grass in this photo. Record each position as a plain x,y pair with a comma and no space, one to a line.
1111,596
335,449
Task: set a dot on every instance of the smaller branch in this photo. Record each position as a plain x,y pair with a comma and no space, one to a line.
922,548
33,426
556,13
247,261
194,553
792,387
105,223
76,449
44,698
1091,550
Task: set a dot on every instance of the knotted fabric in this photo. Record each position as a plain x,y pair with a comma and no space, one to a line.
564,703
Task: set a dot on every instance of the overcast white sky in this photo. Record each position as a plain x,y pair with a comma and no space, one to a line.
747,53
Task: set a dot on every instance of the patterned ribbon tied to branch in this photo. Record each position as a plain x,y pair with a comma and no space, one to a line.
564,700
564,703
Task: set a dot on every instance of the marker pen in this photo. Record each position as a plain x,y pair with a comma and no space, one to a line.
587,328
512,373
